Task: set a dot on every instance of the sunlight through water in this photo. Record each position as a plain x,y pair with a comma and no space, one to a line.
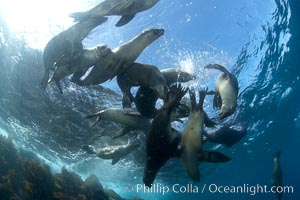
38,21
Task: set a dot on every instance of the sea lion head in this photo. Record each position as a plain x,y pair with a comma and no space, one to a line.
102,51
226,110
152,34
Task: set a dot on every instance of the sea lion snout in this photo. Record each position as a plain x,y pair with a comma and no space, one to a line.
226,111
159,32
103,50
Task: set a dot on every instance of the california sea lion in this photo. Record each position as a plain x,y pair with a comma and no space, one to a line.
87,58
128,117
277,174
145,98
114,153
161,142
65,48
192,140
143,75
126,8
226,91
122,57
226,135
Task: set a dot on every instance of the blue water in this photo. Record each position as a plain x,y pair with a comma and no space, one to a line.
259,41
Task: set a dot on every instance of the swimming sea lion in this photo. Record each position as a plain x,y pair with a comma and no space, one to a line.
145,98
126,8
192,140
114,153
277,174
161,142
226,91
122,57
226,135
143,75
130,118
87,58
65,48
173,75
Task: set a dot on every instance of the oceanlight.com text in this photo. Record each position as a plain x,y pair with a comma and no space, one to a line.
213,189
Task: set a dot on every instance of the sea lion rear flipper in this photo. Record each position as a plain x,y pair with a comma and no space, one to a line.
213,157
211,92
217,102
124,20
115,160
218,67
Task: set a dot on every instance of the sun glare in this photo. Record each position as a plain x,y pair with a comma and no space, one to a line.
37,21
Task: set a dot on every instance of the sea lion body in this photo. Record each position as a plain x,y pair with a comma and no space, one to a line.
114,153
65,48
145,98
143,75
127,117
226,91
277,174
191,152
161,142
226,135
125,8
88,58
122,57
192,137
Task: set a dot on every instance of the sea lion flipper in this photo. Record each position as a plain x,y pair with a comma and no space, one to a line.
115,160
124,20
92,116
211,92
59,86
213,157
207,121
217,102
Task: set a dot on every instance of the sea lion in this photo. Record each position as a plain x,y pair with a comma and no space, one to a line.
226,135
114,153
122,57
173,75
64,49
226,91
145,98
143,75
131,119
87,58
161,142
277,174
192,140
126,8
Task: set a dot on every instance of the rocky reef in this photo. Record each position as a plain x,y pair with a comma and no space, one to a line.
24,177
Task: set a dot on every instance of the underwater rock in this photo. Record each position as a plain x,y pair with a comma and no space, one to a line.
23,177
93,188
113,195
